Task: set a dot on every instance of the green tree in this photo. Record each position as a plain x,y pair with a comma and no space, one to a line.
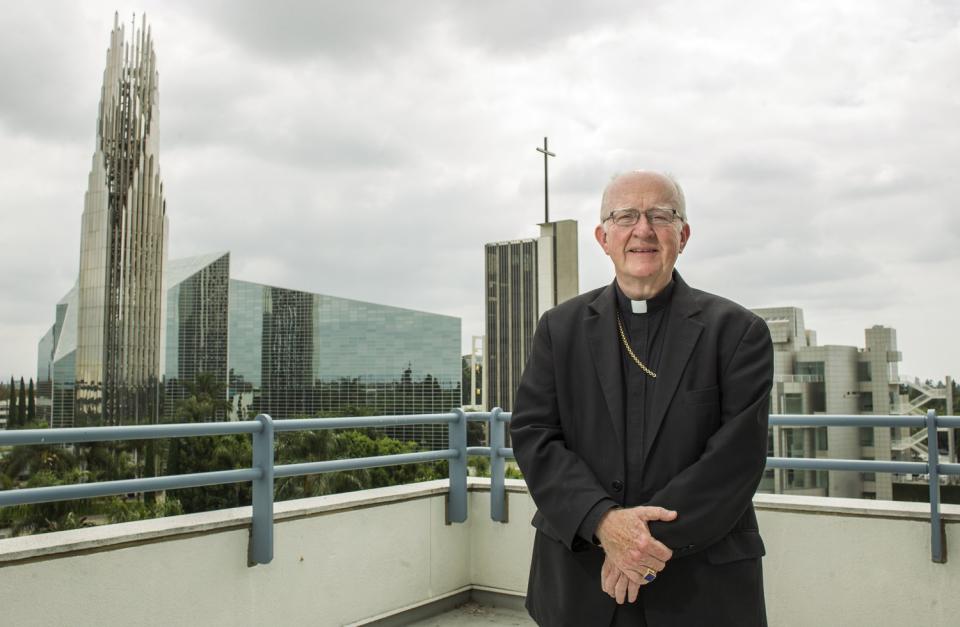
320,445
120,510
31,404
208,453
39,466
354,444
310,446
476,433
43,517
25,461
108,461
150,468
22,405
12,406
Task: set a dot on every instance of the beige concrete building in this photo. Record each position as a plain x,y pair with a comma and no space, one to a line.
524,278
833,379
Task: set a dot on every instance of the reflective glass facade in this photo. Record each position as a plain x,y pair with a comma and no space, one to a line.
45,364
291,354
63,361
295,353
196,337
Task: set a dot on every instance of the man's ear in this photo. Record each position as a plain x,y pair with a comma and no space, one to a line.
601,236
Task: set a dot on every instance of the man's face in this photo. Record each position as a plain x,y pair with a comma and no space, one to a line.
643,255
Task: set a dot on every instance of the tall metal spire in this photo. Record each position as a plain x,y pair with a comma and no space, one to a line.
123,243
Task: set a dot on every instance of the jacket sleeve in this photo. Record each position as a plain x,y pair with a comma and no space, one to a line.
713,493
562,485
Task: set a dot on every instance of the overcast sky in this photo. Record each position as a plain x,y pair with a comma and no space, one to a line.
369,149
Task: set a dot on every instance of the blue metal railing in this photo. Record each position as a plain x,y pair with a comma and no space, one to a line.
263,472
932,467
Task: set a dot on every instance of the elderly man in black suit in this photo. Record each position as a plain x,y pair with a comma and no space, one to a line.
640,425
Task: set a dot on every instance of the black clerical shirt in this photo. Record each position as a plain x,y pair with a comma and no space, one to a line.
645,332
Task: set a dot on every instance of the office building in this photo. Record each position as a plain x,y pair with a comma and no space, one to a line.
524,278
472,382
832,379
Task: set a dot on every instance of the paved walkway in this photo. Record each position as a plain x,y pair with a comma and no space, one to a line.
474,615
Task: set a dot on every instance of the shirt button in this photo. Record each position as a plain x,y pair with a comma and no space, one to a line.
617,485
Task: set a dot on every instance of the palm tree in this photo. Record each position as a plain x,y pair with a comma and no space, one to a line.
24,461
207,401
108,461
56,516
311,446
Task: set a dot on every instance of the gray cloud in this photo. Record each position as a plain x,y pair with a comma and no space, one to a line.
368,31
369,150
292,31
39,78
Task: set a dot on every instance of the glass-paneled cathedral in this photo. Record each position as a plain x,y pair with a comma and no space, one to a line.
284,352
133,337
291,353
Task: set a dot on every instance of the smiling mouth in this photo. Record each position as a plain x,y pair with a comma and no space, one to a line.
643,251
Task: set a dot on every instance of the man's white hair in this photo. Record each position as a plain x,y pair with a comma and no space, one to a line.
678,202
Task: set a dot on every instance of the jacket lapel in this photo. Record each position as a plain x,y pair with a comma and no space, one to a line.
600,324
682,333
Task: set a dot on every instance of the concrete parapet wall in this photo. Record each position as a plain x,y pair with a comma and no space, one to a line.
337,560
347,558
850,562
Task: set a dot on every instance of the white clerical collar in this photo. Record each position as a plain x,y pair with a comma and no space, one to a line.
638,306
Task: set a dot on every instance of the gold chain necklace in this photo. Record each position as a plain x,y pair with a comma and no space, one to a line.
633,356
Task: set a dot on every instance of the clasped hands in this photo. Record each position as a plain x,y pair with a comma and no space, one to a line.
630,549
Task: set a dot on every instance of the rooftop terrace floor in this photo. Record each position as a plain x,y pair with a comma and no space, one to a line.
474,615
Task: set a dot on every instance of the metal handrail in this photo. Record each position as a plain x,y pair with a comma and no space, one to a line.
261,474
263,471
932,468
931,421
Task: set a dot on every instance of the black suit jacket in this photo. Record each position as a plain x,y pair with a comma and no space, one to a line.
705,446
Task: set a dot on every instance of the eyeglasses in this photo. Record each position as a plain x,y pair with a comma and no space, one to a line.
656,216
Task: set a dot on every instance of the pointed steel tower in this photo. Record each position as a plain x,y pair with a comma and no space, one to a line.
123,245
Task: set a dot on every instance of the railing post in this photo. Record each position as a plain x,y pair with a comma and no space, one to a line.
457,496
261,533
498,493
937,537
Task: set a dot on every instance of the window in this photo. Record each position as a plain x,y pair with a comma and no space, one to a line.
810,367
793,403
